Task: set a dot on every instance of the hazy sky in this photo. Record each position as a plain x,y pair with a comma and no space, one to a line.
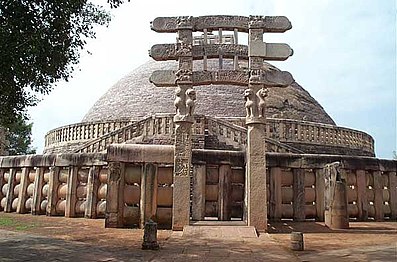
344,56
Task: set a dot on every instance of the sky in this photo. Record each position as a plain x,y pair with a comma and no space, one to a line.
344,56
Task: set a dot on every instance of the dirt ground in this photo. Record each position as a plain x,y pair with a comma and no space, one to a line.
364,241
90,231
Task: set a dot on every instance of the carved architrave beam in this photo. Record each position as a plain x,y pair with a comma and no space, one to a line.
275,24
271,51
270,78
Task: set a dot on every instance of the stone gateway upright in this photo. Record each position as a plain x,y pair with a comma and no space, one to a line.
257,77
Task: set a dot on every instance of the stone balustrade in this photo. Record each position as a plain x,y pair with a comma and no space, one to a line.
309,137
71,185
82,131
131,183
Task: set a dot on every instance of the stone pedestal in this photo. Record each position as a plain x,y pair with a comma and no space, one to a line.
150,236
256,208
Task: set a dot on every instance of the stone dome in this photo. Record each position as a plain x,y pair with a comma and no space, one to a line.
134,97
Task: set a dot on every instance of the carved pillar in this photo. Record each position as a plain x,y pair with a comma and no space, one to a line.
335,196
184,103
256,207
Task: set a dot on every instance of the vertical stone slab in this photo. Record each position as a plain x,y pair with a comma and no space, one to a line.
92,192
115,195
319,194
148,201
38,191
198,194
275,201
53,183
71,195
362,201
299,194
22,196
182,166
393,194
378,191
10,190
2,183
225,193
256,178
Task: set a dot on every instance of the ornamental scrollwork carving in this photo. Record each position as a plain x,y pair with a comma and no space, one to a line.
184,75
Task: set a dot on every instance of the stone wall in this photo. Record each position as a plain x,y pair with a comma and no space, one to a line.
132,183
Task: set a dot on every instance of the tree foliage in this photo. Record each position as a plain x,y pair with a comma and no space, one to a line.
19,137
40,44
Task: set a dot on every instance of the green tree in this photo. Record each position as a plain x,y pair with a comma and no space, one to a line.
19,137
40,44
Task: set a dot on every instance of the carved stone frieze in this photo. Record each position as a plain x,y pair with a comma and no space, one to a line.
183,75
214,22
275,78
274,51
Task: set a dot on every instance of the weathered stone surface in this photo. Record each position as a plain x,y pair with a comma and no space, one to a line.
269,51
133,97
214,22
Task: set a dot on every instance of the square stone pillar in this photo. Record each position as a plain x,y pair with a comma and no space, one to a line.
256,207
182,167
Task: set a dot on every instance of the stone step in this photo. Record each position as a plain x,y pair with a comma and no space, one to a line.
219,231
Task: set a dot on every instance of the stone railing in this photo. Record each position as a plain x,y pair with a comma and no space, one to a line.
71,185
283,134
227,132
157,126
131,183
82,131
307,135
236,136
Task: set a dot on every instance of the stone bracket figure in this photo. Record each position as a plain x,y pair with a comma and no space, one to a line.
190,102
250,103
262,94
184,104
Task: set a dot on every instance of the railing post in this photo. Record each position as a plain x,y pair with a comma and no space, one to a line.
299,194
275,201
53,184
393,194
198,194
2,183
225,192
378,192
71,195
115,195
22,190
10,190
92,192
319,186
148,202
38,191
362,201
